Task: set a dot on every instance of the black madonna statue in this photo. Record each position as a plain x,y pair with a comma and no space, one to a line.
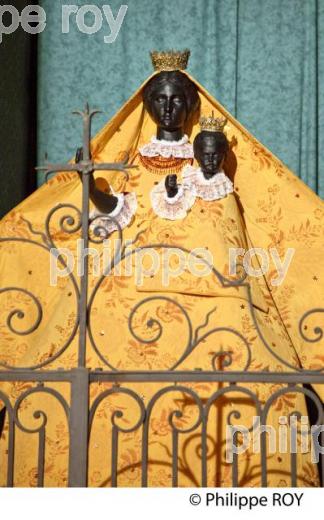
171,99
177,298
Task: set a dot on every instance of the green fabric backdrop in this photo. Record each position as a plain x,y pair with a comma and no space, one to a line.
262,59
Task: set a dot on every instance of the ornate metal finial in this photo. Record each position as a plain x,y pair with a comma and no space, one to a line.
212,124
170,60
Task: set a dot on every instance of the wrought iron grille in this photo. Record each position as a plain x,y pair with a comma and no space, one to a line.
79,411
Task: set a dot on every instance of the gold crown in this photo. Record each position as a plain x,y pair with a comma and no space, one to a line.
212,124
170,60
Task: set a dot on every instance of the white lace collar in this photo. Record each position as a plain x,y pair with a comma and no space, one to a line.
123,213
172,208
181,149
217,187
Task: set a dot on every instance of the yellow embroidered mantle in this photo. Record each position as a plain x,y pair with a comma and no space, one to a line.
271,208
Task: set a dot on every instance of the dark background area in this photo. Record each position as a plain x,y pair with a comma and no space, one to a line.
18,82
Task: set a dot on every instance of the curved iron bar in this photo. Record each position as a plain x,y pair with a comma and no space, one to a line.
234,388
118,390
39,414
233,413
317,330
220,353
21,314
117,414
64,220
175,436
291,388
32,230
151,322
227,360
100,228
175,429
132,242
229,354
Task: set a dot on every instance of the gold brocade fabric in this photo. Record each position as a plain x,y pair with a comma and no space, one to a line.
143,323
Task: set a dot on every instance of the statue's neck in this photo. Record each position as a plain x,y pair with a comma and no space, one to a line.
169,135
208,175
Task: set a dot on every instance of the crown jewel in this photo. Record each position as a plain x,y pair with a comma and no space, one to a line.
170,60
212,124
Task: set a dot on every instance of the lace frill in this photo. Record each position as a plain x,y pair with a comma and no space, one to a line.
172,208
123,214
217,187
181,149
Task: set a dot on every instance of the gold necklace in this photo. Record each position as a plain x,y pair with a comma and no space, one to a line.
164,165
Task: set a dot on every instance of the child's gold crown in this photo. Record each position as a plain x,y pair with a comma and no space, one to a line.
170,60
212,124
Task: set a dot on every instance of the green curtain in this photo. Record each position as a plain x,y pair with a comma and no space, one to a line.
262,59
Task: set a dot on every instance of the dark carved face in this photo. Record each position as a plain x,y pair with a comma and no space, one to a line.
168,107
170,98
210,153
